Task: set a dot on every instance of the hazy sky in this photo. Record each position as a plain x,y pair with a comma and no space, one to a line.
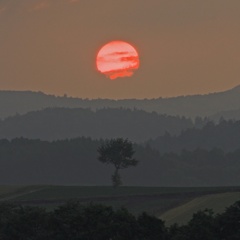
185,46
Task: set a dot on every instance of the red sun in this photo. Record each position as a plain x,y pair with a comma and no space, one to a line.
117,59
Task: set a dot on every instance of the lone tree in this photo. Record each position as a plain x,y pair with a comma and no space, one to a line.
118,152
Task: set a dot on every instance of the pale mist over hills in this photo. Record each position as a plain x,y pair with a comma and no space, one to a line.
213,105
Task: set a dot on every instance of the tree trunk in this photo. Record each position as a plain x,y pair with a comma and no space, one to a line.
116,178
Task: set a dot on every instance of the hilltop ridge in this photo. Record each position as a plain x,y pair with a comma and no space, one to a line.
21,102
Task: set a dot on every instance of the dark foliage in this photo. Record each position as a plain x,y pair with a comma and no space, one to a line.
76,222
205,225
98,222
119,153
228,223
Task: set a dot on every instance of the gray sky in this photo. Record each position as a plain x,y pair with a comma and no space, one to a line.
185,46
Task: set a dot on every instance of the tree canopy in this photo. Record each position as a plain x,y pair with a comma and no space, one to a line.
74,221
118,152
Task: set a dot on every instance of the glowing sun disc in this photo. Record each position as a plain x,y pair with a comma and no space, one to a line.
117,59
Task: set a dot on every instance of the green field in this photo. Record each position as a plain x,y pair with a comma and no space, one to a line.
173,204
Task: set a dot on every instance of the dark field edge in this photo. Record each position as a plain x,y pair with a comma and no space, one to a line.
155,203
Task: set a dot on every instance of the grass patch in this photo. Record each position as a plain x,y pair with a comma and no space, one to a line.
8,192
218,202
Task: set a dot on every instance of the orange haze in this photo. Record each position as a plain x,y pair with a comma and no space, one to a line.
185,47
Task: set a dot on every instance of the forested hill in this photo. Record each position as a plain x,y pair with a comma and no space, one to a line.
224,135
74,162
227,115
12,102
61,123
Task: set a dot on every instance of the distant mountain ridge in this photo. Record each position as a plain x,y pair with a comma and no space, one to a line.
21,102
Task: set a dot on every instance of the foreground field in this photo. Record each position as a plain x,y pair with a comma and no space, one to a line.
172,204
217,202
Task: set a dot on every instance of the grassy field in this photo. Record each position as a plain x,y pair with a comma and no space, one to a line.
12,191
217,202
154,200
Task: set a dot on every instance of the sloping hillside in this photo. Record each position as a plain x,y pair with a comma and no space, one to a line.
217,202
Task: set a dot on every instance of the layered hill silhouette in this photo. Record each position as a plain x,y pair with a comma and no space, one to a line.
225,135
12,102
61,123
181,151
162,132
227,115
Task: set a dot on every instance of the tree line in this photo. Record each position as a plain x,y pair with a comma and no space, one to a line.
61,123
224,135
75,161
98,222
164,133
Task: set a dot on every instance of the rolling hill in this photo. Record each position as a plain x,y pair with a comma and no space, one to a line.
61,123
12,102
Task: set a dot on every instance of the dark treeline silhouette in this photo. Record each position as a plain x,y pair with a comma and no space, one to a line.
74,162
227,115
61,123
224,135
21,102
98,222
